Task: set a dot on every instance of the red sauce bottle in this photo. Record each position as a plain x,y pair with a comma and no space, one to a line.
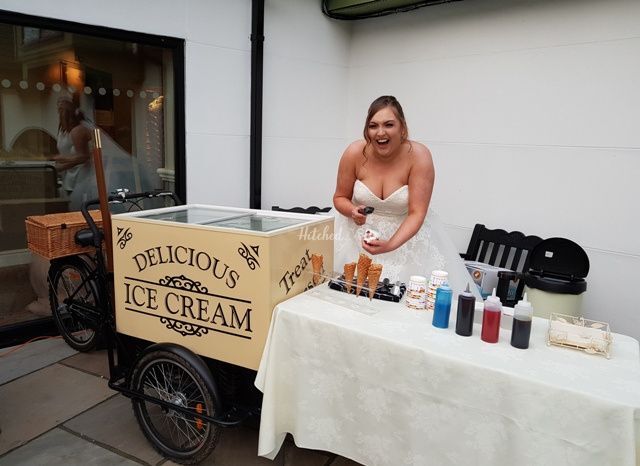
491,319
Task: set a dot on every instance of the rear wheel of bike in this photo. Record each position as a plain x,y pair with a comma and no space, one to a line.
70,290
185,438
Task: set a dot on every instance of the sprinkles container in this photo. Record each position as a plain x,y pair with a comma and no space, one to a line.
438,278
417,292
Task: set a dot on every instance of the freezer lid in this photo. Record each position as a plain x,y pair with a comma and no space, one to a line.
257,222
223,218
193,215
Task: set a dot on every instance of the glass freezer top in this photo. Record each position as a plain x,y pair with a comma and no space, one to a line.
256,222
225,219
191,215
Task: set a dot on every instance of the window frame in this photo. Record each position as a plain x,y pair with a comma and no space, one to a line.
175,45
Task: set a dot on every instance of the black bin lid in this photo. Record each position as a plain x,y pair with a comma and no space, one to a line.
558,265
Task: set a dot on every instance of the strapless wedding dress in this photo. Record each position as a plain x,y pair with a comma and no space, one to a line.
430,249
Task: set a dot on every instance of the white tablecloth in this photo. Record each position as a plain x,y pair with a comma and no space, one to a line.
391,389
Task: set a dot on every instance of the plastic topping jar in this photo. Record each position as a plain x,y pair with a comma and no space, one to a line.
438,277
417,292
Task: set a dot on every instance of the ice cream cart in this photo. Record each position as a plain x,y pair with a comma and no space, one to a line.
194,289
209,277
187,317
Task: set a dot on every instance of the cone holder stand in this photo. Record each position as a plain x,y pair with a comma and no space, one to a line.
328,284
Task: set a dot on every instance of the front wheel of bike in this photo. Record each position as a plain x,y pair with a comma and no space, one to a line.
165,375
73,293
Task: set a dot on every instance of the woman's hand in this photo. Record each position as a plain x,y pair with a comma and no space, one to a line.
357,217
377,246
62,162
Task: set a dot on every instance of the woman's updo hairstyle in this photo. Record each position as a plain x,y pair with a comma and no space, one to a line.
69,113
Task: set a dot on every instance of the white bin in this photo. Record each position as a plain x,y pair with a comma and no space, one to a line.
556,281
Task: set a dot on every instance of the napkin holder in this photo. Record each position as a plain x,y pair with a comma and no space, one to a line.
590,336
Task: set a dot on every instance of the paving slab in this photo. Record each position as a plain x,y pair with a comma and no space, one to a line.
19,361
113,423
94,362
38,402
60,448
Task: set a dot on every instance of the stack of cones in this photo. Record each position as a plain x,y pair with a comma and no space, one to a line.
373,277
366,272
364,262
316,263
349,272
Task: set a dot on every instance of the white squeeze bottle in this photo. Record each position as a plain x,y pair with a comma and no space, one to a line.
521,330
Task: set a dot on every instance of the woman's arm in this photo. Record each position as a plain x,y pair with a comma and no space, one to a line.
421,179
344,185
80,137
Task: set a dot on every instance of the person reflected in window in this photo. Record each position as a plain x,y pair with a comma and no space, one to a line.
74,155
75,164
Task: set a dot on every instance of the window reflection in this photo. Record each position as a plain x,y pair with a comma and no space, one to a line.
55,87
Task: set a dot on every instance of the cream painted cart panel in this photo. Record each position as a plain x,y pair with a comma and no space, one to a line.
208,277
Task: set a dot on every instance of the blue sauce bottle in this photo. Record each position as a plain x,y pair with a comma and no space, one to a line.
442,307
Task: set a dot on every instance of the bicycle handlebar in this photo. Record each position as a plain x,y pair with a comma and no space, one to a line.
119,198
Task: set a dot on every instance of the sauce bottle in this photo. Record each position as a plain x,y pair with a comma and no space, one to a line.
491,319
466,311
521,330
442,307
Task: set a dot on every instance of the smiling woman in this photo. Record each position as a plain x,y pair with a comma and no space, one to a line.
394,175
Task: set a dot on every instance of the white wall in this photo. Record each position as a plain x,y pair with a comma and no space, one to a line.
217,62
306,58
531,110
305,103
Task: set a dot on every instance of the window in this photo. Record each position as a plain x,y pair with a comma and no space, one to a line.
59,81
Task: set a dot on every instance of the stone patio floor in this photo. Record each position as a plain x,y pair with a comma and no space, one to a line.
56,409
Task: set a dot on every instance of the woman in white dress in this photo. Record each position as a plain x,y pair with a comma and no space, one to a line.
395,176
75,162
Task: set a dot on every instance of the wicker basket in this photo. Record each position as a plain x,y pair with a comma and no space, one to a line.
53,235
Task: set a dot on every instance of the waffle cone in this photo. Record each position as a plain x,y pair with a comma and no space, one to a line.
349,272
316,263
364,262
375,270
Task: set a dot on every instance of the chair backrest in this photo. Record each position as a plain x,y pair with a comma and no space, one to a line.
498,247
511,250
303,210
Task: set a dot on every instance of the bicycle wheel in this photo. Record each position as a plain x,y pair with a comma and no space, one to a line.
69,291
165,375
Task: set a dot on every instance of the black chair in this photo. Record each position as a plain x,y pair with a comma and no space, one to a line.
303,210
510,250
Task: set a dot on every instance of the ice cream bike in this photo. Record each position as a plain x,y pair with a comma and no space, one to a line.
187,309
183,296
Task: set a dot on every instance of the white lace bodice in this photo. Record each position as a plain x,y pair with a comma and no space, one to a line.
396,204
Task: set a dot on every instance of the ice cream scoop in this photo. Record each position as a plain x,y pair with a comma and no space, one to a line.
370,235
